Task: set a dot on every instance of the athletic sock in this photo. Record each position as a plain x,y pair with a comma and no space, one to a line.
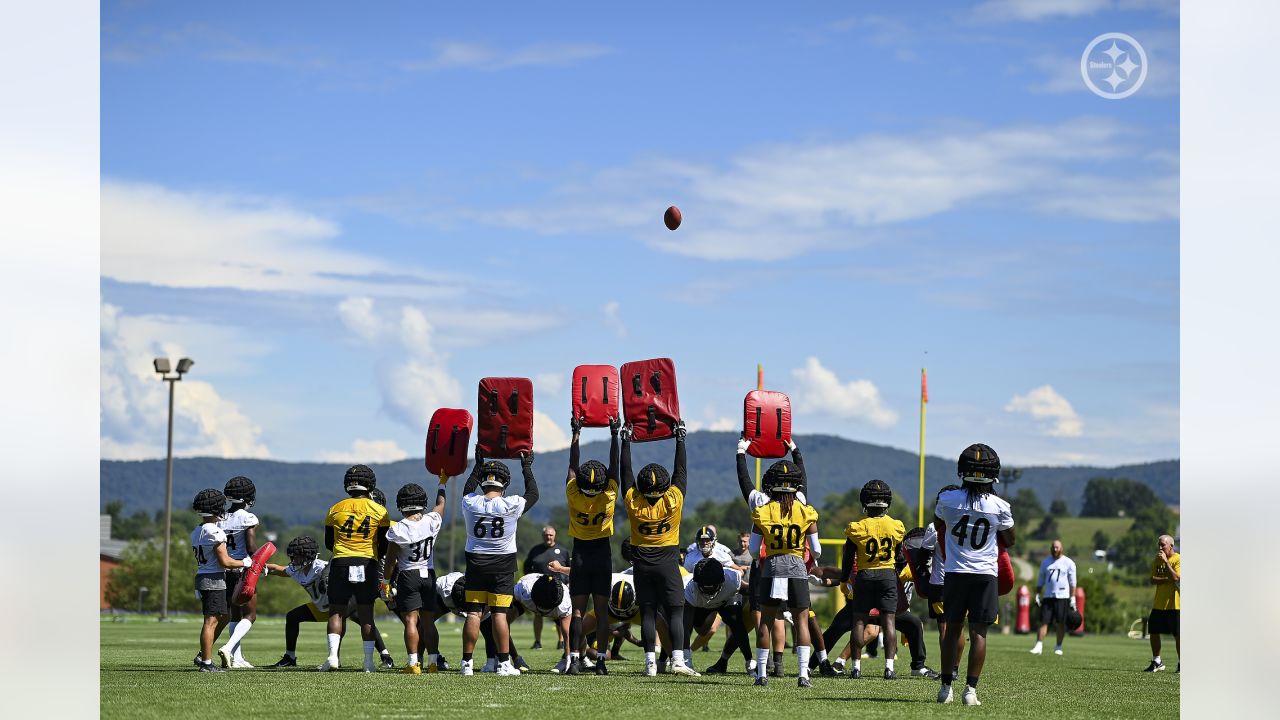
231,631
334,641
802,656
504,657
677,657
573,657
888,663
822,656
762,662
947,678
291,653
369,647
413,658
777,657
650,657
466,657
972,681
1156,660
238,632
857,663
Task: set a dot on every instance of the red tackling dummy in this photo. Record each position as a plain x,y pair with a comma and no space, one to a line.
505,415
1004,570
248,584
595,394
650,403
766,423
448,440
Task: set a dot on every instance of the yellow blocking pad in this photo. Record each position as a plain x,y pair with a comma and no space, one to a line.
487,598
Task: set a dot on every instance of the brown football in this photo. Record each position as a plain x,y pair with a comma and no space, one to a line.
672,217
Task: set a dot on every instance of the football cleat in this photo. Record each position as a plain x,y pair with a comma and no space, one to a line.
573,668
762,681
651,668
285,661
240,663
751,667
925,672
506,669
561,666
600,669
224,658
586,662
826,670
198,661
387,660
804,682
664,666
1037,649
890,675
838,666
1058,651
944,694
414,669
537,645
442,663
682,669
518,662
330,663
776,670
370,666
432,668
210,667
970,696
1155,667
490,665
719,668
466,668
855,673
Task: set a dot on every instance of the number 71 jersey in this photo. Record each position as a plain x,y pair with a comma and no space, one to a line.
970,532
491,523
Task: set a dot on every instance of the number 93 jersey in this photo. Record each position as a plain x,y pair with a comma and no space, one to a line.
876,540
971,528
355,522
784,534
657,524
491,523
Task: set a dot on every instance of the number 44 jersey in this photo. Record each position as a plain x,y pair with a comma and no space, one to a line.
416,539
970,531
491,522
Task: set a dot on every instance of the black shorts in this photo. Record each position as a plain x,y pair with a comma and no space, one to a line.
490,581
591,566
211,588
232,578
971,596
660,584
1053,611
797,594
1163,622
933,595
875,590
414,592
341,589
755,586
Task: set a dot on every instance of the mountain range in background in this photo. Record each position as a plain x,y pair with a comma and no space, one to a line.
301,493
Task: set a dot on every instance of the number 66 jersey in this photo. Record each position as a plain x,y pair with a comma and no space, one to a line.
970,530
491,522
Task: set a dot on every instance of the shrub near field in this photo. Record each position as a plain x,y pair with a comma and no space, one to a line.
146,672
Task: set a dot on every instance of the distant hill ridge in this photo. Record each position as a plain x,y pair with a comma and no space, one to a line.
302,492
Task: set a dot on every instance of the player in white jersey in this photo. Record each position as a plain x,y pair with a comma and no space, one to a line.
937,577
410,543
209,544
240,525
543,595
969,521
716,591
1055,592
704,546
312,573
491,518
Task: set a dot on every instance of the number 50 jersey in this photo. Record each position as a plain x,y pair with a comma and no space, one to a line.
971,529
491,523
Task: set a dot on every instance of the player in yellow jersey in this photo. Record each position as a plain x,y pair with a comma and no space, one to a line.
872,546
356,531
591,492
1166,575
655,503
782,526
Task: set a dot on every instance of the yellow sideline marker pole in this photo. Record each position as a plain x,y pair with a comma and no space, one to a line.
838,544
924,400
759,386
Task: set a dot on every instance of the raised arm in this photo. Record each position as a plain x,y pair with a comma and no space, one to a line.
614,424
530,484
473,480
574,453
442,494
680,477
799,461
628,478
745,483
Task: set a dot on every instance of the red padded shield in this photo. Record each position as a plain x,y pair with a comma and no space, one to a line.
448,439
650,403
1004,570
767,423
248,585
595,394
504,412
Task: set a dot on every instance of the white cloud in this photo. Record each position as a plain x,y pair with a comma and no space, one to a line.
134,402
366,452
820,391
613,320
453,55
548,383
548,436
716,424
1037,10
1052,411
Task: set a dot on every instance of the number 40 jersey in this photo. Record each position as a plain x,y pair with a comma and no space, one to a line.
971,529
491,522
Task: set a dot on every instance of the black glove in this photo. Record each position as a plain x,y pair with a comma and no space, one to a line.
678,428
625,433
526,459
575,424
615,422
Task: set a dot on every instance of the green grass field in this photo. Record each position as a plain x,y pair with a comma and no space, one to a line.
147,673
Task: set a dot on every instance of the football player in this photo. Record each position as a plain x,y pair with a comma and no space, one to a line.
409,545
356,531
968,522
308,570
240,526
787,524
591,492
655,503
716,590
209,543
380,497
872,548
705,546
544,596
623,612
937,576
492,518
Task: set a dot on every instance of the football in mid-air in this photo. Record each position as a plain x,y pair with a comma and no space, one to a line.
672,217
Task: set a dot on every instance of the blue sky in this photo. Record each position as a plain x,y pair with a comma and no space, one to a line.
347,217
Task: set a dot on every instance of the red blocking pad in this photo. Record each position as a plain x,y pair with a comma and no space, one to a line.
595,394
650,402
1004,570
248,585
766,423
448,440
504,413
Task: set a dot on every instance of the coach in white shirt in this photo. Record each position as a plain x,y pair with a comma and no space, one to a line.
1055,592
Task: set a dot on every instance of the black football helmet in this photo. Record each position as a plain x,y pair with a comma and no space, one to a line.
876,494
210,501
653,481
411,499
782,476
979,464
547,593
458,593
705,539
240,490
622,599
708,575
495,475
359,478
378,496
628,552
592,477
302,550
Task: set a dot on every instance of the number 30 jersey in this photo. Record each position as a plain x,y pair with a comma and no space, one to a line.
877,540
416,539
355,522
491,522
784,535
971,529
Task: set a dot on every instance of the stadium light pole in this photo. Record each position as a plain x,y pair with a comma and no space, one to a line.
162,367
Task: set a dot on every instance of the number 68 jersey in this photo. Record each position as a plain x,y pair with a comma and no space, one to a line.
491,522
970,532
